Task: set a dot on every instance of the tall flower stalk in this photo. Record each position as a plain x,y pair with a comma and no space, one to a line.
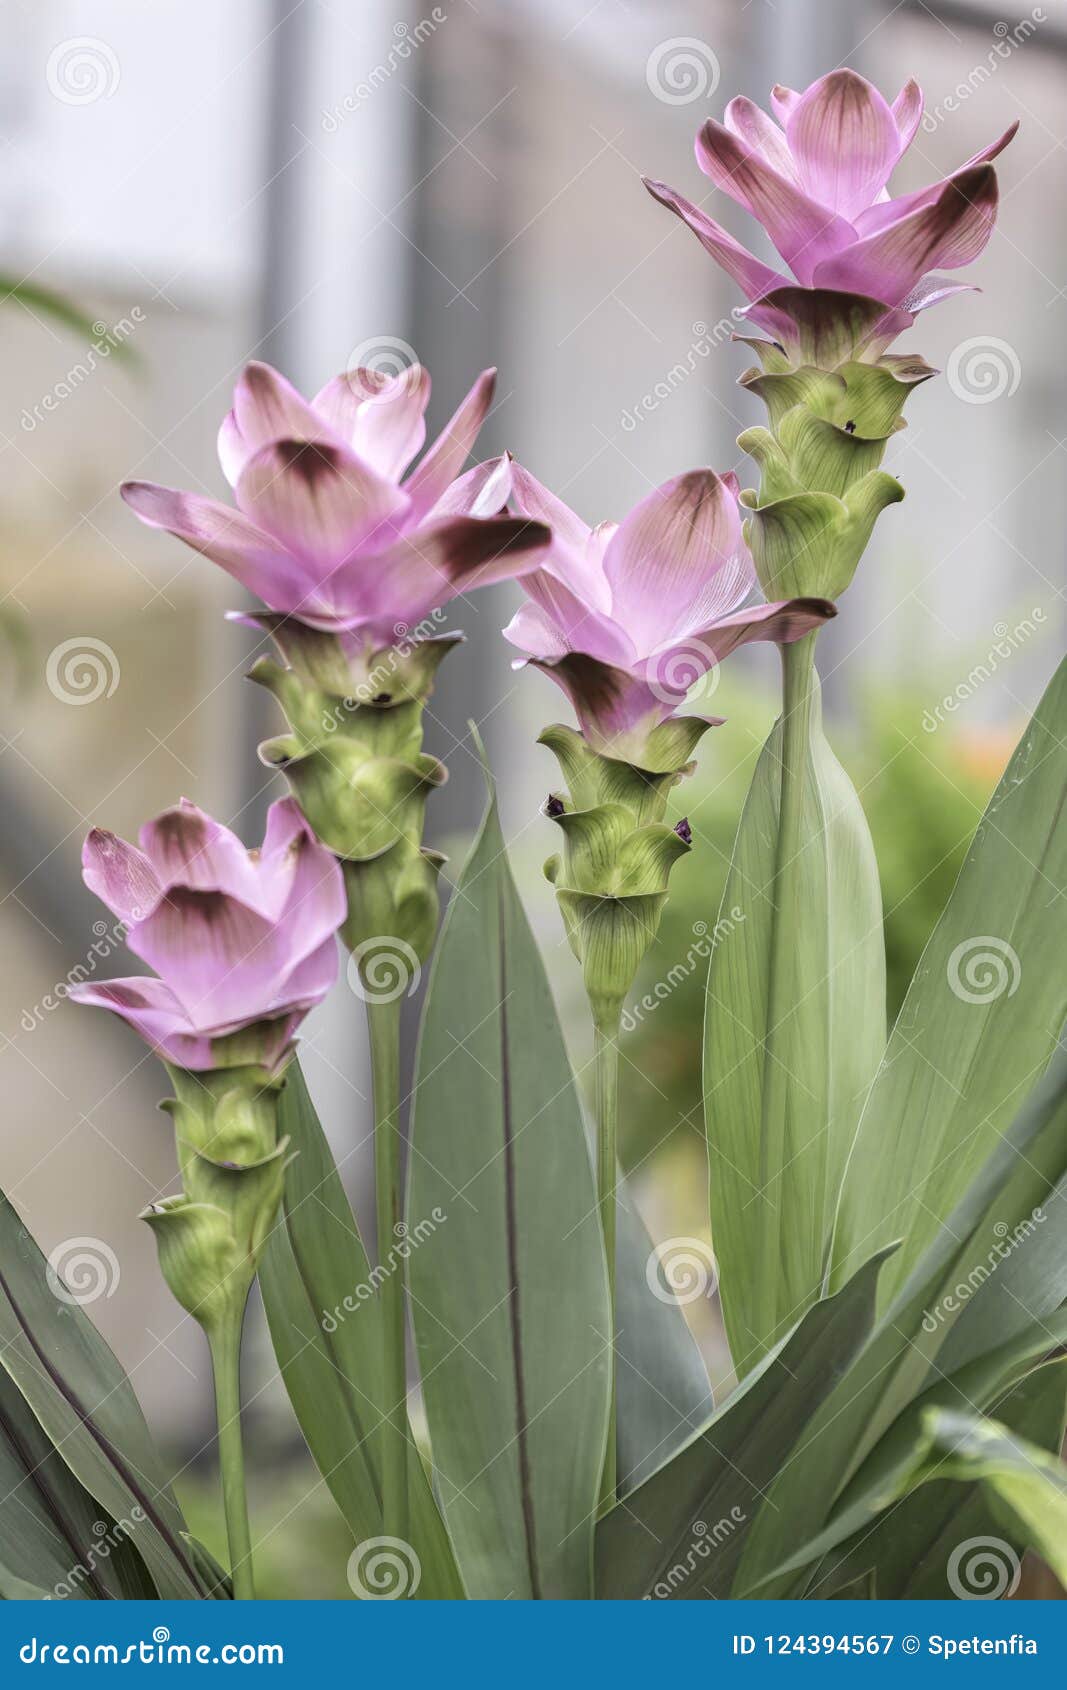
626,618
354,555
864,265
243,945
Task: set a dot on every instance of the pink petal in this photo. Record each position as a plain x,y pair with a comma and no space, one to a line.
782,622
121,876
428,481
752,276
428,568
784,101
320,501
482,491
226,537
222,961
845,140
572,559
803,230
316,904
233,448
676,548
536,632
932,290
266,408
312,978
761,135
952,230
153,1012
186,847
893,210
580,626
908,111
610,704
381,417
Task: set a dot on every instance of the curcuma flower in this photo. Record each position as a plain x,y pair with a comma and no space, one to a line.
242,942
328,529
627,617
816,179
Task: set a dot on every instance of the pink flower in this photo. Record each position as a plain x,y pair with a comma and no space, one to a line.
240,940
816,180
626,617
325,530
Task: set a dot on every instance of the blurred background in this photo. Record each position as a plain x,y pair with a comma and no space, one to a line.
323,183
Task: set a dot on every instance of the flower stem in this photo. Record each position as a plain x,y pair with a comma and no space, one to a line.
383,1019
225,1344
607,1112
798,695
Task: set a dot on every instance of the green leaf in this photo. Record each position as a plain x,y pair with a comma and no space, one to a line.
911,1546
981,1019
509,1294
681,1535
1028,1485
87,1408
663,1390
776,1160
53,1534
902,1360
320,1294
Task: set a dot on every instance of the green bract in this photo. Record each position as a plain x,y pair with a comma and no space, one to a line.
211,1235
618,852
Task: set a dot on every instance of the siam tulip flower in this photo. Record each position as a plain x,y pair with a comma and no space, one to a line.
817,181
328,528
242,943
627,617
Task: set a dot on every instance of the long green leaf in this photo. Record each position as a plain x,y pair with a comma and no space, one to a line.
87,1408
981,1019
319,1292
681,1535
902,1358
509,1294
53,1534
777,1154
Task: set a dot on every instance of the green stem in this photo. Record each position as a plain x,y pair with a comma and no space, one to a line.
384,1022
225,1344
798,694
607,1113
